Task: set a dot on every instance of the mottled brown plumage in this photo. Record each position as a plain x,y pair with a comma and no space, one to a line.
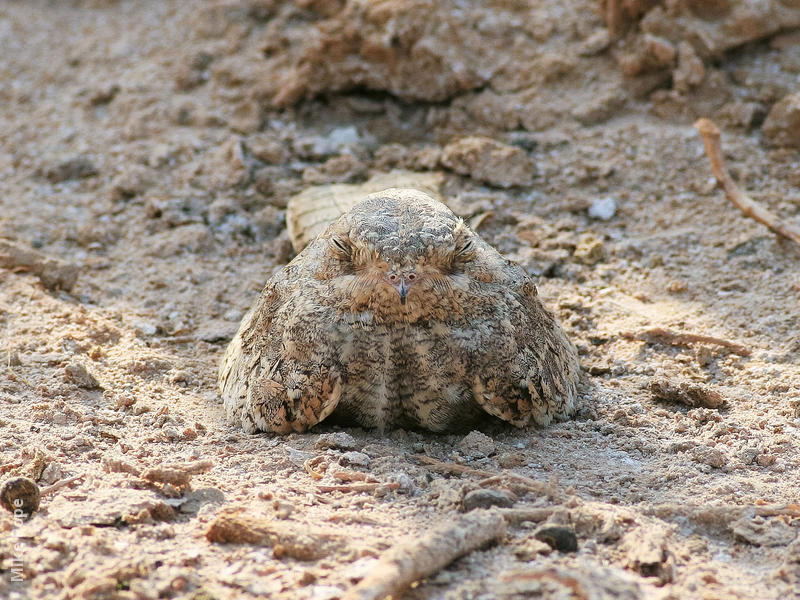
398,315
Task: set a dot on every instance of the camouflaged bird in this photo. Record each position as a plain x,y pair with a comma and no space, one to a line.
398,315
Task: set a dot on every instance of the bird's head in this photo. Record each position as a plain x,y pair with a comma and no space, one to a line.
399,255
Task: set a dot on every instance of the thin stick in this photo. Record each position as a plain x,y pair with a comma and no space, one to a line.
424,555
310,466
678,338
352,476
60,484
711,138
535,515
358,487
613,16
721,515
450,468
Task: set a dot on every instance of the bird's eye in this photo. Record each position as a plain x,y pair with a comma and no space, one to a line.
463,253
465,249
340,247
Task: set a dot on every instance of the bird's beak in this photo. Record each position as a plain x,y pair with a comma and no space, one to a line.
402,282
402,289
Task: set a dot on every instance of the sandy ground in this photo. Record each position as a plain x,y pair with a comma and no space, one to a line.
128,147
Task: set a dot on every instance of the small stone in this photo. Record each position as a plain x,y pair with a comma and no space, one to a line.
217,332
562,539
358,459
20,496
765,460
144,328
603,208
78,167
486,498
691,394
590,250
509,460
760,531
745,115
407,485
596,43
690,71
709,456
51,473
531,548
196,499
337,441
490,161
339,140
246,118
782,125
267,149
477,444
78,374
104,94
344,168
600,107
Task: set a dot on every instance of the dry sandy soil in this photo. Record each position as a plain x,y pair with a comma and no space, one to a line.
155,145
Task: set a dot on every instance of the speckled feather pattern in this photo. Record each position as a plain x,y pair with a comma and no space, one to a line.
329,335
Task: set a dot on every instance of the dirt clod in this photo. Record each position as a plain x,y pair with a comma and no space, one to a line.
78,374
486,498
232,526
687,393
558,538
20,496
489,161
782,125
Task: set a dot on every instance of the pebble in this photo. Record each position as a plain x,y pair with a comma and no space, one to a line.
78,374
20,494
489,161
356,458
531,549
407,485
596,43
486,498
53,272
709,456
559,538
603,208
590,250
477,444
196,499
688,393
782,125
338,441
145,328
73,168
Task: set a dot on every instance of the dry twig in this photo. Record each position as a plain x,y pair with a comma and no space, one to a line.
310,466
60,484
677,338
613,16
179,474
54,273
711,138
450,468
722,515
425,555
352,476
490,478
234,526
358,487
534,515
